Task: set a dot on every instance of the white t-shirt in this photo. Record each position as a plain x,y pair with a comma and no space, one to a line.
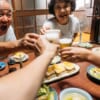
67,30
9,36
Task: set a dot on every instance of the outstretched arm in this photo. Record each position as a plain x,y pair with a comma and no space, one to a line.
24,84
27,40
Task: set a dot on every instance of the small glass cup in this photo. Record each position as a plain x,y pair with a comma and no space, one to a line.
53,35
65,42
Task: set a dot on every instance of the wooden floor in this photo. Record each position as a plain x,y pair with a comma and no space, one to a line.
85,37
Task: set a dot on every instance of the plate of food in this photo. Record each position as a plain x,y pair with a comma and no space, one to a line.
94,72
19,57
75,94
60,71
85,45
46,93
2,65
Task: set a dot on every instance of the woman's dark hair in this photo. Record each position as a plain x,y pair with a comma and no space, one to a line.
53,2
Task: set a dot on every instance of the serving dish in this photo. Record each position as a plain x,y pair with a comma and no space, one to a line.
94,73
60,73
74,94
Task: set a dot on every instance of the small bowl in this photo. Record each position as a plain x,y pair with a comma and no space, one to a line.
2,65
78,91
92,74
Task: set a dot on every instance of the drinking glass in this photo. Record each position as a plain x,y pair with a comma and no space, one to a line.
65,42
53,35
83,24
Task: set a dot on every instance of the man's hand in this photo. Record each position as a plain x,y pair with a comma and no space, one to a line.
29,39
47,47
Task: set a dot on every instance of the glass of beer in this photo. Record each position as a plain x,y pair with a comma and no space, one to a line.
65,42
53,35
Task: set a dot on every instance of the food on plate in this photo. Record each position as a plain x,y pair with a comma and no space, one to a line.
50,72
56,70
45,93
74,96
19,56
69,66
95,72
59,68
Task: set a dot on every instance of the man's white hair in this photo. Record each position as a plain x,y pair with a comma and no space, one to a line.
3,1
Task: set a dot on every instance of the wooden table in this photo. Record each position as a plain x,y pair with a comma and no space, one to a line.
79,80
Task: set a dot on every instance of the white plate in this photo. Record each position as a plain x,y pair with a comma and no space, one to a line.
24,59
65,75
75,90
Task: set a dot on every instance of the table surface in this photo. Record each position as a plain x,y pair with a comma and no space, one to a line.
80,80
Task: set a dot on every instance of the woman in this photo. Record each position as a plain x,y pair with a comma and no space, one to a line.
63,18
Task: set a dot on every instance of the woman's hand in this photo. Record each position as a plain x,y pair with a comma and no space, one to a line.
43,30
75,54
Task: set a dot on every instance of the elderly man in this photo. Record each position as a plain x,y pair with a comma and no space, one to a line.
7,37
6,31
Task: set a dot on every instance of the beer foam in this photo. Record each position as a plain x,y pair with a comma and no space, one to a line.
65,40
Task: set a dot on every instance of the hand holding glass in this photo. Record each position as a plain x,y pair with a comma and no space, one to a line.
53,35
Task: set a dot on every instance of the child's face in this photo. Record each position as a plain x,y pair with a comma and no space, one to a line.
62,11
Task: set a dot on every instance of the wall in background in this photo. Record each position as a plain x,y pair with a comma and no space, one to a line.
34,23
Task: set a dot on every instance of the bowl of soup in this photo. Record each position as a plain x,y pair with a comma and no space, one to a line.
75,94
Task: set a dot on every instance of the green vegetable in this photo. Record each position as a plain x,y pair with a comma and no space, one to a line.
51,96
45,93
44,90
